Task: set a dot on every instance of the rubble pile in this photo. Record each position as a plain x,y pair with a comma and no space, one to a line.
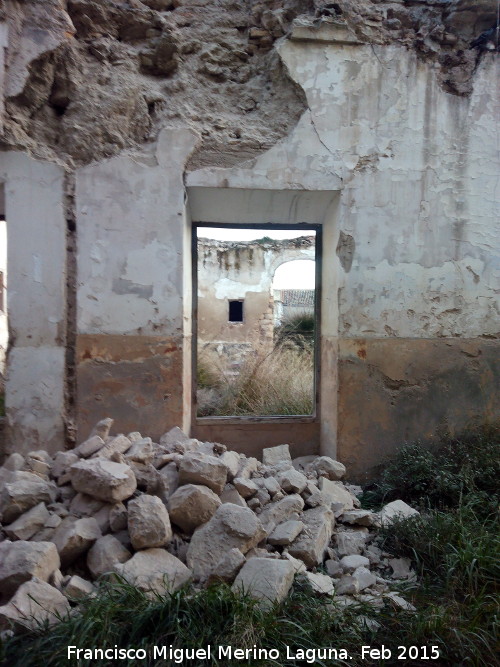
160,515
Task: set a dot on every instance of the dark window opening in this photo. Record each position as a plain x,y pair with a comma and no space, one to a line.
236,311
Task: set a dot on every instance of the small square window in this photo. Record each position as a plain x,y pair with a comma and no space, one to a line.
236,311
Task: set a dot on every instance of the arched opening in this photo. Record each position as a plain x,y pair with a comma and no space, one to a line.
249,363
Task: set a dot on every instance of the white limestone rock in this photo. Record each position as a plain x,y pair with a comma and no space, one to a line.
399,602
346,585
141,451
280,511
320,583
292,481
84,505
364,578
62,462
352,562
273,455
154,570
266,579
232,462
103,479
192,505
311,544
29,523
285,533
74,537
102,428
23,491
34,602
78,588
245,487
400,568
169,480
298,565
327,467
118,517
398,509
90,446
333,568
248,466
359,518
202,469
148,522
20,561
228,567
104,554
14,462
230,495
351,542
336,493
117,445
230,527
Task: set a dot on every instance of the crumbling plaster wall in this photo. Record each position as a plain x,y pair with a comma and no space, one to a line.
417,223
408,312
231,270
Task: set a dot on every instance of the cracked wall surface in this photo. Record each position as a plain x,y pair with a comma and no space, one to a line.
376,120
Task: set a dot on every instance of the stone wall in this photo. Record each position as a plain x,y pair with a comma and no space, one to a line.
392,150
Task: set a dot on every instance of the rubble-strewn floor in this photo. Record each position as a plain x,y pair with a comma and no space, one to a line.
164,514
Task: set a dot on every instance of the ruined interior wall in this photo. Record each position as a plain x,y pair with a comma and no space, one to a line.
245,271
4,334
36,267
417,224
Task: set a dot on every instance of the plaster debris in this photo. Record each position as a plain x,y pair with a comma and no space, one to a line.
160,541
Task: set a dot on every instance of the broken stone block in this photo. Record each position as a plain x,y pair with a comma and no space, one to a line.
311,544
351,542
118,517
350,563
28,523
117,445
359,517
273,455
230,527
228,567
398,509
102,428
104,554
266,579
38,462
285,533
303,463
280,511
169,479
148,522
148,478
141,451
205,470
62,463
175,440
232,462
91,446
399,602
14,462
245,487
24,491
364,577
333,568
78,588
248,466
373,553
34,602
320,583
154,570
263,496
298,565
336,493
192,505
327,467
346,585
103,479
74,537
230,495
292,481
271,485
20,561
400,568
84,505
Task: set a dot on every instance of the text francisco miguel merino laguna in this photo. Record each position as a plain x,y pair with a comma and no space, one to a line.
180,655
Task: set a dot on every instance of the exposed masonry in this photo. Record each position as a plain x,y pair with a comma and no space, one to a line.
104,76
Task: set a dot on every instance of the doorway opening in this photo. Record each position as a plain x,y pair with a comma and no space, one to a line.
256,321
